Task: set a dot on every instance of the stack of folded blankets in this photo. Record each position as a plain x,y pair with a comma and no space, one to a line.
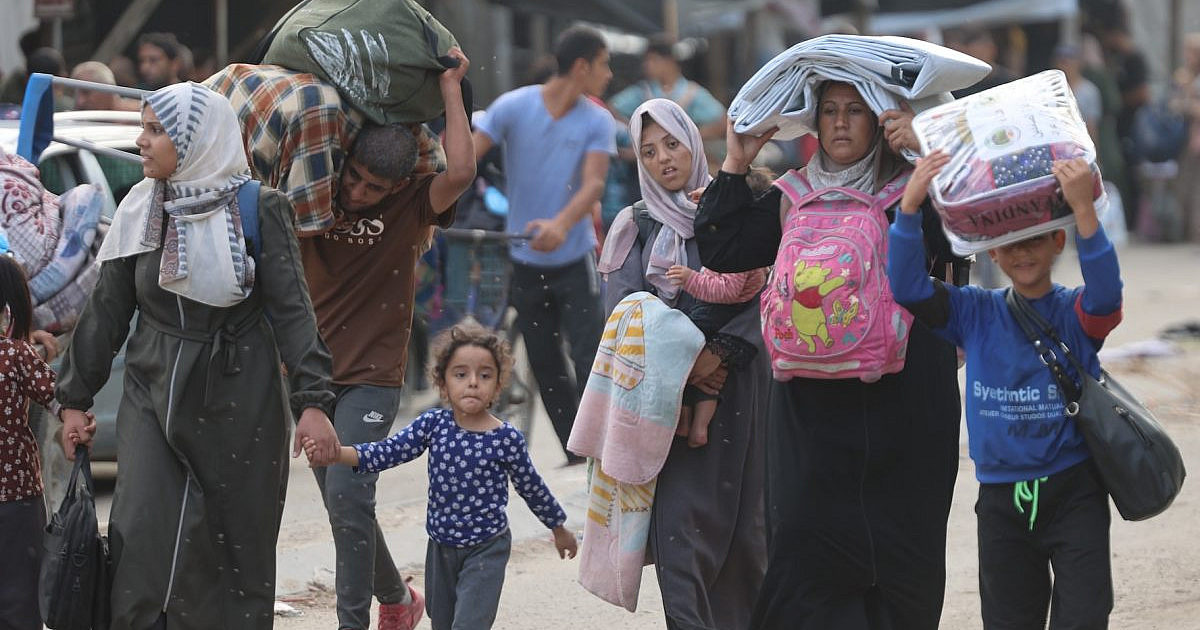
885,70
998,187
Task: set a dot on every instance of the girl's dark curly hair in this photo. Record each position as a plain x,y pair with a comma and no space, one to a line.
470,333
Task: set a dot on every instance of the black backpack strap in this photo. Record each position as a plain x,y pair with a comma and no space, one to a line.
645,223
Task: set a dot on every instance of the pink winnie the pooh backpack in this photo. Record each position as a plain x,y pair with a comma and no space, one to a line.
827,310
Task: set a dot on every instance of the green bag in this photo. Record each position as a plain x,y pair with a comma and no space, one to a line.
383,56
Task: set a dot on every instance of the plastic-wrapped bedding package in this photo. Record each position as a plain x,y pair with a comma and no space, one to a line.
997,187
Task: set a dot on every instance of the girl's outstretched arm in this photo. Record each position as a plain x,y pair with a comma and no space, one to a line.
346,455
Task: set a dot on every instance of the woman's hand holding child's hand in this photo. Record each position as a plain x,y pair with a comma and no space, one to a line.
1075,178
564,542
678,274
48,343
315,426
346,455
79,427
917,189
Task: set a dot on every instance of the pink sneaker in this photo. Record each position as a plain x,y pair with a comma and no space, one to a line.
401,616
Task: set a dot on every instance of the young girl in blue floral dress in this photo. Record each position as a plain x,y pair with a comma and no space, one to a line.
472,457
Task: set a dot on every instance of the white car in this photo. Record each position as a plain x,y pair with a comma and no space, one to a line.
63,167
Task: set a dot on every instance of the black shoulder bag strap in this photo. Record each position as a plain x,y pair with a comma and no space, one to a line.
1030,322
645,224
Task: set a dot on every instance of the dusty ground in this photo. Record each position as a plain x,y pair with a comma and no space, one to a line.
1156,564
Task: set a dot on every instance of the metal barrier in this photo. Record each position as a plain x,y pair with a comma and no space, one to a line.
37,117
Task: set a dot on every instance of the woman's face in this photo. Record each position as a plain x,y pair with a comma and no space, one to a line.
666,158
159,159
845,124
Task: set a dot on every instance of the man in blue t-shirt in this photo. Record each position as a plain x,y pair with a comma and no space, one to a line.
556,145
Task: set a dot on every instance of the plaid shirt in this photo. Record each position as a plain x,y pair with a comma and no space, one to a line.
297,131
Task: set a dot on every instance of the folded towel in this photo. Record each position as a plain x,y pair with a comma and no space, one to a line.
629,409
883,69
626,423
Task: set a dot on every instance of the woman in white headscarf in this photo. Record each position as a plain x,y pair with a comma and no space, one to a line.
859,475
202,427
707,537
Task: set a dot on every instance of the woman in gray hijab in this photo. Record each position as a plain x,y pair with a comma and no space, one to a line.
859,475
707,538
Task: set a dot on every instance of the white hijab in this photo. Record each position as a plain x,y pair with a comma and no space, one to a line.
673,209
210,263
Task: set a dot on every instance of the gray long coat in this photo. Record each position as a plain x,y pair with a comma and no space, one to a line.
202,430
708,531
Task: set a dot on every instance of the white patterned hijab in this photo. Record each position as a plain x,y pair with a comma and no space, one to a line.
204,250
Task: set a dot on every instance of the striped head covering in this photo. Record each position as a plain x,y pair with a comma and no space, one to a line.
200,197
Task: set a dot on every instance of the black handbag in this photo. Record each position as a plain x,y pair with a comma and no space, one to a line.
1140,466
74,587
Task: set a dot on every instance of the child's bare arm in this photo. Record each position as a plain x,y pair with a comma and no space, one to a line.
1075,178
346,455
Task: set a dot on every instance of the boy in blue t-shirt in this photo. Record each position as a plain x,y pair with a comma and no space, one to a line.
1040,499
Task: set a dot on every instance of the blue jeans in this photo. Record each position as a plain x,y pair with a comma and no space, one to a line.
363,413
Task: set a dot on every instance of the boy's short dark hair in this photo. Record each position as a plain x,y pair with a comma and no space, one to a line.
165,42
577,42
388,151
662,46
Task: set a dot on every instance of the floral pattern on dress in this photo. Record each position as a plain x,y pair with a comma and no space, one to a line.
24,376
469,472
